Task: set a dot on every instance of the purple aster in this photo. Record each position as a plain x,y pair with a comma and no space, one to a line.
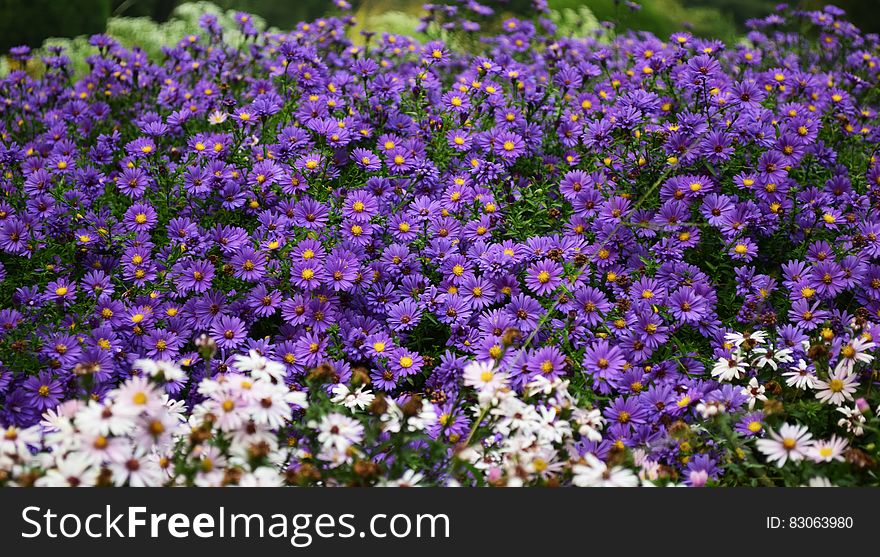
543,277
228,332
685,304
603,360
195,276
43,391
547,361
404,315
405,362
525,312
249,264
360,206
508,145
625,411
307,274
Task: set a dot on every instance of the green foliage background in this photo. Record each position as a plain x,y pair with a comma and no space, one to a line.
151,23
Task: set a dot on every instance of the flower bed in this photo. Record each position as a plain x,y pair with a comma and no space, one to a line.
292,258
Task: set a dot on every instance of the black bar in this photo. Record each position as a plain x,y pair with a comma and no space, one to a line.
534,522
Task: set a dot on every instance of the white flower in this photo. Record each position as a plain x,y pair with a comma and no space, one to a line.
135,396
409,478
272,408
800,376
589,422
15,441
103,419
100,449
157,429
710,409
819,481
853,352
826,451
357,399
754,391
596,473
649,470
727,369
427,415
74,470
737,339
217,117
839,387
262,477
176,408
339,432
853,420
772,357
791,443
392,418
168,371
486,379
259,367
539,385
137,470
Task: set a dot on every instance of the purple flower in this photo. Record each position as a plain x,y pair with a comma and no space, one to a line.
547,361
543,277
228,332
43,392
195,276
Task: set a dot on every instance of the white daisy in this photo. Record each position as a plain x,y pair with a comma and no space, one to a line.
262,477
791,443
217,117
15,441
272,408
103,419
74,470
485,378
135,396
596,473
167,371
136,469
853,352
260,367
728,369
853,420
839,387
352,399
738,339
409,478
769,356
800,376
339,431
826,451
754,391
